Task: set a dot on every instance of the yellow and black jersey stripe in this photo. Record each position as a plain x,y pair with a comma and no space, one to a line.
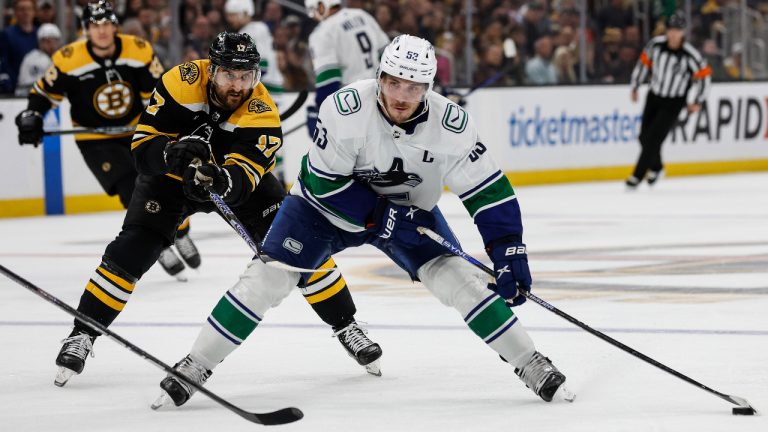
102,91
245,139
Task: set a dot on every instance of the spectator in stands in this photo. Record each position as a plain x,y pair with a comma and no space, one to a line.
714,58
16,41
46,12
273,15
733,64
565,56
384,15
609,61
539,70
534,24
200,36
616,14
37,61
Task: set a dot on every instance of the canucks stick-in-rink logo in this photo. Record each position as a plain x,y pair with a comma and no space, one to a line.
395,176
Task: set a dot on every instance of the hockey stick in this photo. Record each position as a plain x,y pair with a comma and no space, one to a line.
743,407
282,416
230,217
300,99
294,129
106,130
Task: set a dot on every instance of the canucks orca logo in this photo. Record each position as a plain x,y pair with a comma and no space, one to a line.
395,176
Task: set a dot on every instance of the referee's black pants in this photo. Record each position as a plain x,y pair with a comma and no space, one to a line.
659,116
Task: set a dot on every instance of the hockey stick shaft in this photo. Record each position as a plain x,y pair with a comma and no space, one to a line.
285,415
230,217
107,130
736,400
294,129
300,99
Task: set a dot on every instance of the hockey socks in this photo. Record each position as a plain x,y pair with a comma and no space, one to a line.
495,323
329,296
105,296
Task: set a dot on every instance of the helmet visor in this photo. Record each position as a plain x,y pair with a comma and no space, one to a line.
236,78
402,90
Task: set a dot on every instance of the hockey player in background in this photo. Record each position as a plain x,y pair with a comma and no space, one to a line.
108,78
37,61
215,111
345,47
384,150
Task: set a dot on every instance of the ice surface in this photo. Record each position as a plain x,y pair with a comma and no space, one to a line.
679,273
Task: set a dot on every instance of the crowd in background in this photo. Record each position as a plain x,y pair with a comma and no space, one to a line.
515,42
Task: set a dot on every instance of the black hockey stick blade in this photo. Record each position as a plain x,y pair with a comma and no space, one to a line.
282,416
300,99
743,406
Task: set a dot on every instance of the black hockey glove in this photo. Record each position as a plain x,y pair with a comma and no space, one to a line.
399,223
179,154
510,265
196,180
30,124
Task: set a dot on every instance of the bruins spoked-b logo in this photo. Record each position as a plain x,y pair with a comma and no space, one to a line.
152,206
189,72
114,99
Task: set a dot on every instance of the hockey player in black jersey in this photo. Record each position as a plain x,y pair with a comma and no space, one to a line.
108,78
218,112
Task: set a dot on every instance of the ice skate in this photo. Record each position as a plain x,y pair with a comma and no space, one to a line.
177,392
187,250
172,264
71,358
367,353
654,176
541,376
631,183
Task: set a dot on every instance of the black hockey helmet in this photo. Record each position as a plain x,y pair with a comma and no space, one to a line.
677,20
235,51
97,12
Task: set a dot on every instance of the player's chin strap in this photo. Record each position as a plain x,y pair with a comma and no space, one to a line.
743,406
230,217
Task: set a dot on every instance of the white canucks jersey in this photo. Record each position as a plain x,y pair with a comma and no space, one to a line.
409,164
346,47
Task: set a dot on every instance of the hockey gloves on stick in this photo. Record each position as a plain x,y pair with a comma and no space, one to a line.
179,154
196,180
399,223
30,124
312,120
510,265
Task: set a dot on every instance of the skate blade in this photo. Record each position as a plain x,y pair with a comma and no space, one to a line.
62,376
373,368
162,401
564,394
181,276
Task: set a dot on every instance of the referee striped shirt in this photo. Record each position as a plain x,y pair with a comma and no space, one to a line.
673,72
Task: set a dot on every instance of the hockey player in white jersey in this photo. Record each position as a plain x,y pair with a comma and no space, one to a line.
345,47
383,151
239,16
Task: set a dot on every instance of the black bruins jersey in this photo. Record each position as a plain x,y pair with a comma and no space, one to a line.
244,141
102,92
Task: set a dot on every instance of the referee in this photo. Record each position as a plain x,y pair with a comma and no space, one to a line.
679,74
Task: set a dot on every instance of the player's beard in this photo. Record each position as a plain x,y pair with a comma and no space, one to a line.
229,100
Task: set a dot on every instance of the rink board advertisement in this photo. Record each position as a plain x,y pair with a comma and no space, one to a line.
537,135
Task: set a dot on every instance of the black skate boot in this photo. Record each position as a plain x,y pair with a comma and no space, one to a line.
172,264
359,347
631,183
71,358
187,249
541,376
176,390
654,176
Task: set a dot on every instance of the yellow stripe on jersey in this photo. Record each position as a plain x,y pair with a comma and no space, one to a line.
104,297
117,280
259,111
149,129
326,265
246,170
258,168
38,89
329,292
183,225
173,176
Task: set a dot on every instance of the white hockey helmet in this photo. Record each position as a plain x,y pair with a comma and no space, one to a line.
312,5
245,7
411,58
